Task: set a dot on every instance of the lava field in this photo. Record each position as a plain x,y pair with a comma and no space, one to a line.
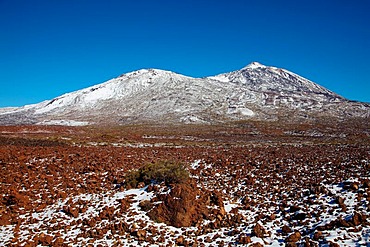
249,184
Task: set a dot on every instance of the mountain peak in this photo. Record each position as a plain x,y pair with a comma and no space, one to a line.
152,95
254,65
145,71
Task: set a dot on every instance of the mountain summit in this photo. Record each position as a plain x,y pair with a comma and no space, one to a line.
157,96
254,65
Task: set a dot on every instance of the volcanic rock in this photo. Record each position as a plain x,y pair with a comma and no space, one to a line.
244,239
295,237
258,231
180,208
286,229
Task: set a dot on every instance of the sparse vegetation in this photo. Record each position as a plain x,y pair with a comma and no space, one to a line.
163,171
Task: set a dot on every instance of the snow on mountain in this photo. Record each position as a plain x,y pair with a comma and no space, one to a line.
113,89
255,65
261,78
151,95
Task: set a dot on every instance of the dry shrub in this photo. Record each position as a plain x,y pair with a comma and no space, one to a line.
161,172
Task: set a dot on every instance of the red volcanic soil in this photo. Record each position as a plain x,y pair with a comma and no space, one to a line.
250,183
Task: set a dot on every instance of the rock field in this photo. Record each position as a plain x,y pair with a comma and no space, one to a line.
250,185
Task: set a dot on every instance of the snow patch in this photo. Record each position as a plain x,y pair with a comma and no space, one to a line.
63,122
242,111
221,78
192,119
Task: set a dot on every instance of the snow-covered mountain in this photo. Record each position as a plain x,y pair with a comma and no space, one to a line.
151,95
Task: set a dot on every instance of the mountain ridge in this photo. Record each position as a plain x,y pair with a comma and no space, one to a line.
152,95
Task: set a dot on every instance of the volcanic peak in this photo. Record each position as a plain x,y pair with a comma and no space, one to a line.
254,65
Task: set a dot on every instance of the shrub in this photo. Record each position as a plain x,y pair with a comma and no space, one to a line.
164,171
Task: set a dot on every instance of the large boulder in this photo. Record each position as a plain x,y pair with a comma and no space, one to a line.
185,205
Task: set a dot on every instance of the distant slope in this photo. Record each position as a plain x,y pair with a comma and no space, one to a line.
151,95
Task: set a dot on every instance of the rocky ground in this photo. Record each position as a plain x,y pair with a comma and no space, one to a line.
250,184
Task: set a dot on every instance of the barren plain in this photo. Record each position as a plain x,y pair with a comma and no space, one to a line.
250,184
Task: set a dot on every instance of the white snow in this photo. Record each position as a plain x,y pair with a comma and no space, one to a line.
221,78
229,206
63,122
254,65
243,111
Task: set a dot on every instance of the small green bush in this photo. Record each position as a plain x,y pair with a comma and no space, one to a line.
164,171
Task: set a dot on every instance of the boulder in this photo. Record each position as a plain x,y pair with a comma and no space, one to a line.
184,206
293,238
244,239
258,231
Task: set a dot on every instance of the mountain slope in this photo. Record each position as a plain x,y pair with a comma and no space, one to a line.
151,95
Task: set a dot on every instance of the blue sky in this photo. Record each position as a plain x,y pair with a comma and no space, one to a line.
51,47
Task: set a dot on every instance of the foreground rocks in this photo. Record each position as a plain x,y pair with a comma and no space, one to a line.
184,206
70,190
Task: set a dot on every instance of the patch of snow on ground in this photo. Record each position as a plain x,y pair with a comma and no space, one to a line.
64,122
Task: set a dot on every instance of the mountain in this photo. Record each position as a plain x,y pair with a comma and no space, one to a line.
151,95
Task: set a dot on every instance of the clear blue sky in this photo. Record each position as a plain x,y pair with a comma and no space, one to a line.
51,47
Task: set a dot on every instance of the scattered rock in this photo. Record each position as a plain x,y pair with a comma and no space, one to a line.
309,243
38,176
366,183
44,239
141,234
69,210
332,244
258,231
318,235
354,186
286,229
295,237
244,239
256,244
290,244
145,205
358,219
340,200
272,217
299,216
180,241
294,208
